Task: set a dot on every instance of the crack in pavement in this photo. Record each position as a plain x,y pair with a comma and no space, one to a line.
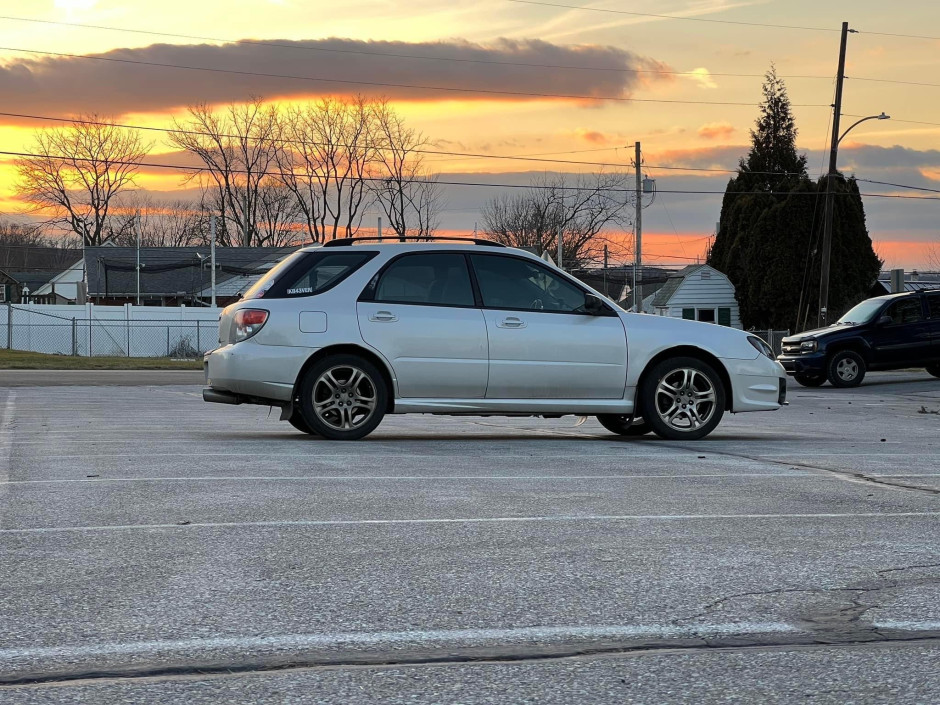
474,655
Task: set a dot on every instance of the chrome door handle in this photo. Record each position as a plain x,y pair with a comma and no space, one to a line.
383,316
511,322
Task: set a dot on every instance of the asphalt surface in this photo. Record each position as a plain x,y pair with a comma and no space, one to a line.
157,549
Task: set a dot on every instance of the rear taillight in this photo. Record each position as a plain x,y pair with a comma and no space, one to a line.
249,321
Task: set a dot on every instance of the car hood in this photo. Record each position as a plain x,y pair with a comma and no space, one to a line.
659,332
818,333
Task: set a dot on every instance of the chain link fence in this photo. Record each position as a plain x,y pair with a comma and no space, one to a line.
774,338
30,330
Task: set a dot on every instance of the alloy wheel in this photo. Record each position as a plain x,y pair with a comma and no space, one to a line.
344,397
685,399
847,369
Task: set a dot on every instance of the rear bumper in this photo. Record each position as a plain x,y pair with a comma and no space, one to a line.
248,372
814,364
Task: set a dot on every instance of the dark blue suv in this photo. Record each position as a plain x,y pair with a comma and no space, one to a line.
884,333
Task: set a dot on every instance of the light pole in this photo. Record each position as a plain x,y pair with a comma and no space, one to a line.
827,221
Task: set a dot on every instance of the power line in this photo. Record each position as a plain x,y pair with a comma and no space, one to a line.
894,119
888,183
532,158
673,17
384,54
896,34
890,80
178,167
448,89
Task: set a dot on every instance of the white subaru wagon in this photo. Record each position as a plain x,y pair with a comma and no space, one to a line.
338,336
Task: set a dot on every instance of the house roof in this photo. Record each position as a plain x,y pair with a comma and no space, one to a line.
172,271
32,280
673,283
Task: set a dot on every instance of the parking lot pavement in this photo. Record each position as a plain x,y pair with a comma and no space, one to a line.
148,537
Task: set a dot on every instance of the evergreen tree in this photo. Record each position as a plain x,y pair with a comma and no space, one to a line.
770,228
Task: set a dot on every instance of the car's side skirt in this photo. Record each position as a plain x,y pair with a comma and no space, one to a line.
514,406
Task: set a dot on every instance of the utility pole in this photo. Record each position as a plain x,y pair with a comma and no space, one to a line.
380,228
605,271
833,159
638,254
561,261
137,228
212,254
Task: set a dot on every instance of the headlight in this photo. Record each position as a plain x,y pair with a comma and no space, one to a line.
762,347
809,346
249,321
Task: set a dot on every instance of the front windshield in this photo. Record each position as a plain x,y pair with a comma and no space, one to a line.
863,312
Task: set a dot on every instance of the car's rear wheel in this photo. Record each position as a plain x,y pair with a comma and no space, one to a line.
934,370
810,380
624,425
682,398
846,369
343,397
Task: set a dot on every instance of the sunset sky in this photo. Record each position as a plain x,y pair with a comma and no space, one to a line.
602,52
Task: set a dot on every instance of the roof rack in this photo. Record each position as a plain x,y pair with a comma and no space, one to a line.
344,241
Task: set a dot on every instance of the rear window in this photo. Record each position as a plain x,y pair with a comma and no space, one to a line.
307,274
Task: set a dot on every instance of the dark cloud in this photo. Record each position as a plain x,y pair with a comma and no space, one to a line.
67,86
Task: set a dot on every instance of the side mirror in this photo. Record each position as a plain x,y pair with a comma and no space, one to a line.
885,320
593,305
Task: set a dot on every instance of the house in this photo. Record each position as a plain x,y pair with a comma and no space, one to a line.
66,287
171,276
699,293
20,287
913,281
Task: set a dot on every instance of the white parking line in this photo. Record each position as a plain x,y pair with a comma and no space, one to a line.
399,639
407,478
467,520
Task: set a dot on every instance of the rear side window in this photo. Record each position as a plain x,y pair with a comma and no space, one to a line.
933,303
906,311
313,273
436,279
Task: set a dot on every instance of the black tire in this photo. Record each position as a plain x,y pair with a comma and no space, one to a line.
624,425
934,370
810,380
334,409
846,369
676,415
297,421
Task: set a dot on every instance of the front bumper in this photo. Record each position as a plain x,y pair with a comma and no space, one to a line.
757,385
812,364
250,371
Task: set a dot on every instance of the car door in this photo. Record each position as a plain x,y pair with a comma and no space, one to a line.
933,310
542,343
420,313
905,339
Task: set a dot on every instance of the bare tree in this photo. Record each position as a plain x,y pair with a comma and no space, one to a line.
325,159
239,149
176,223
280,216
78,172
404,190
583,208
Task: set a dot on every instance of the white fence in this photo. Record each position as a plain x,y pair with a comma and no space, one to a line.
114,331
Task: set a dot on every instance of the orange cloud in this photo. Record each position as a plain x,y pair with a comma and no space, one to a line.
714,130
592,136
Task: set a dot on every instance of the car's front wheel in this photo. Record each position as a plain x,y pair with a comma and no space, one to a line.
343,397
810,380
846,369
934,370
682,398
624,425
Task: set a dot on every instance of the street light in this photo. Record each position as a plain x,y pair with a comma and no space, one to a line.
827,222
